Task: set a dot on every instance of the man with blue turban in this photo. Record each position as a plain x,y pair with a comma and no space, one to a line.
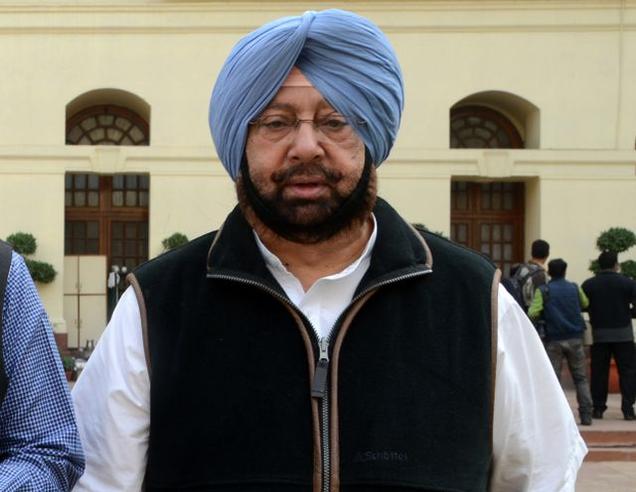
310,344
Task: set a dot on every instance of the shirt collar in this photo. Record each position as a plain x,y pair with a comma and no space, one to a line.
273,262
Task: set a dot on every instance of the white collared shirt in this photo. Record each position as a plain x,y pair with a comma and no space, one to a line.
328,296
536,443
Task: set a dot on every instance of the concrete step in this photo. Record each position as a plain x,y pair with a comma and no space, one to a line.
625,438
611,454
611,438
610,445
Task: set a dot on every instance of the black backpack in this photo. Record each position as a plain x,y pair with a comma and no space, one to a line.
512,286
521,285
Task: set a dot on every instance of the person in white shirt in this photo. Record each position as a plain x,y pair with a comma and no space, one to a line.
317,341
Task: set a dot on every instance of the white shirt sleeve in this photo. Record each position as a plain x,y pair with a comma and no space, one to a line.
112,405
537,445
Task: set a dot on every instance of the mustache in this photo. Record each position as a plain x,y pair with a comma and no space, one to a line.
307,169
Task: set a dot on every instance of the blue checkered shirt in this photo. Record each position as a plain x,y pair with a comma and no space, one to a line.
39,443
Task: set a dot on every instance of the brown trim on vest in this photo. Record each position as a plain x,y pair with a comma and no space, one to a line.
216,238
429,256
317,481
334,429
134,283
494,320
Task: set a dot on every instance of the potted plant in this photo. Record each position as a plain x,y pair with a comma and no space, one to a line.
618,240
174,241
68,363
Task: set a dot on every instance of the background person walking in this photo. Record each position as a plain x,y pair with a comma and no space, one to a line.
612,298
529,276
560,302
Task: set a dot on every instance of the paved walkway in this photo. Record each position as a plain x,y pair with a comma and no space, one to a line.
606,476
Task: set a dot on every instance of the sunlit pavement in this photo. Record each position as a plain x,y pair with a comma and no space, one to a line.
607,476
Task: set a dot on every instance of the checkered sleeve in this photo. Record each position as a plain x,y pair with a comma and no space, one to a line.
39,443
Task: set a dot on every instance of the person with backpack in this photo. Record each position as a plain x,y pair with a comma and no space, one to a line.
560,302
524,279
527,277
39,442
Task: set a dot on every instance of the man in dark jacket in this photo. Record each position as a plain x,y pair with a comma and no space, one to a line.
560,303
317,341
612,297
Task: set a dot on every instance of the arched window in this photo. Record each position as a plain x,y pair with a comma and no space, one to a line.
107,125
479,127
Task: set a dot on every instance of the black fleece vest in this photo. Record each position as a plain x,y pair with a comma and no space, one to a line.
230,386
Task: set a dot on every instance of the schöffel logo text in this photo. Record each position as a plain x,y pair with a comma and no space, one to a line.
367,456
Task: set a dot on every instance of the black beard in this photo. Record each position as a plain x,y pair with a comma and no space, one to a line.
336,215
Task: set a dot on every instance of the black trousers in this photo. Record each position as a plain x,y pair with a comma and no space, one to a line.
625,357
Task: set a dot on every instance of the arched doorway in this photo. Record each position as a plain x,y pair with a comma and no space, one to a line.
106,221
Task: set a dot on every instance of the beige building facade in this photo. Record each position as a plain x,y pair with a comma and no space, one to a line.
520,123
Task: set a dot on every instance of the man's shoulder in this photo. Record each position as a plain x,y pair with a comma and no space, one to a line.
591,282
449,254
605,278
531,273
445,253
572,284
18,279
532,267
191,255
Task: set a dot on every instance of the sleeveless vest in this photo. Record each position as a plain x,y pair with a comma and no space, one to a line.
408,388
562,310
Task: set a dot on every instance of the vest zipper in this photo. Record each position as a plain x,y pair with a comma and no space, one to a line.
319,390
319,384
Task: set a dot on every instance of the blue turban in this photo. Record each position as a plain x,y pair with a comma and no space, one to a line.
345,57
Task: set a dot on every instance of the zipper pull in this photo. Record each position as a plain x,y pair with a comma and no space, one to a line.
319,384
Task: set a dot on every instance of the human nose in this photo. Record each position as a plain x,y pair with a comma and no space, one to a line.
306,144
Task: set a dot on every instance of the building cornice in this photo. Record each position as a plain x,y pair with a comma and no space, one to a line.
155,17
404,163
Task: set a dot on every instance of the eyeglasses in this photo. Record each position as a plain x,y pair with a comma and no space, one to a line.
276,127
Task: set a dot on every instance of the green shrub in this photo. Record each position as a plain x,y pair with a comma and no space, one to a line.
629,268
23,243
40,271
174,241
594,268
68,363
617,239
